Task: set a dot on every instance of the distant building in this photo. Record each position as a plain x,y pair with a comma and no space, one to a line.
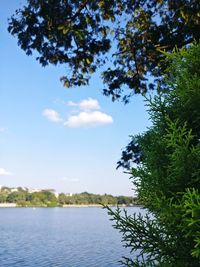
13,189
56,194
69,194
33,190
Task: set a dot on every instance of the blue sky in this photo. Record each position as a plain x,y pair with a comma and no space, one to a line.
53,137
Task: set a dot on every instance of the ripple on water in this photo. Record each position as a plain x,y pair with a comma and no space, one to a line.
58,237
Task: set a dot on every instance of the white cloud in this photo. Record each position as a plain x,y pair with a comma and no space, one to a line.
72,104
3,172
2,129
86,104
88,119
52,115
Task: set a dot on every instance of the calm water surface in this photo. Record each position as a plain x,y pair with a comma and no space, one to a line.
58,237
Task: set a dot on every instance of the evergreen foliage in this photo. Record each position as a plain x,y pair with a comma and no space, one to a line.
167,172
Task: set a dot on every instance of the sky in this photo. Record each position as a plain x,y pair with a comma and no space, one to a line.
53,137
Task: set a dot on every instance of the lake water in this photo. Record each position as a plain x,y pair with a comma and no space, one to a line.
59,237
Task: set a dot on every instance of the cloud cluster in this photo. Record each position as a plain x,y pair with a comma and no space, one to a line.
51,115
3,172
86,104
87,114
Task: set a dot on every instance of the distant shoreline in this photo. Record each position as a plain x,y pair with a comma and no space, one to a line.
26,197
8,205
14,205
96,206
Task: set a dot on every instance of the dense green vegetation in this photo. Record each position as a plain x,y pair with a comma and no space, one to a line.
166,172
47,198
88,198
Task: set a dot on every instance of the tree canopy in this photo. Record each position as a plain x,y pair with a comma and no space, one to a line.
81,33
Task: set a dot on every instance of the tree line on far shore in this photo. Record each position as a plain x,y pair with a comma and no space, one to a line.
47,198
